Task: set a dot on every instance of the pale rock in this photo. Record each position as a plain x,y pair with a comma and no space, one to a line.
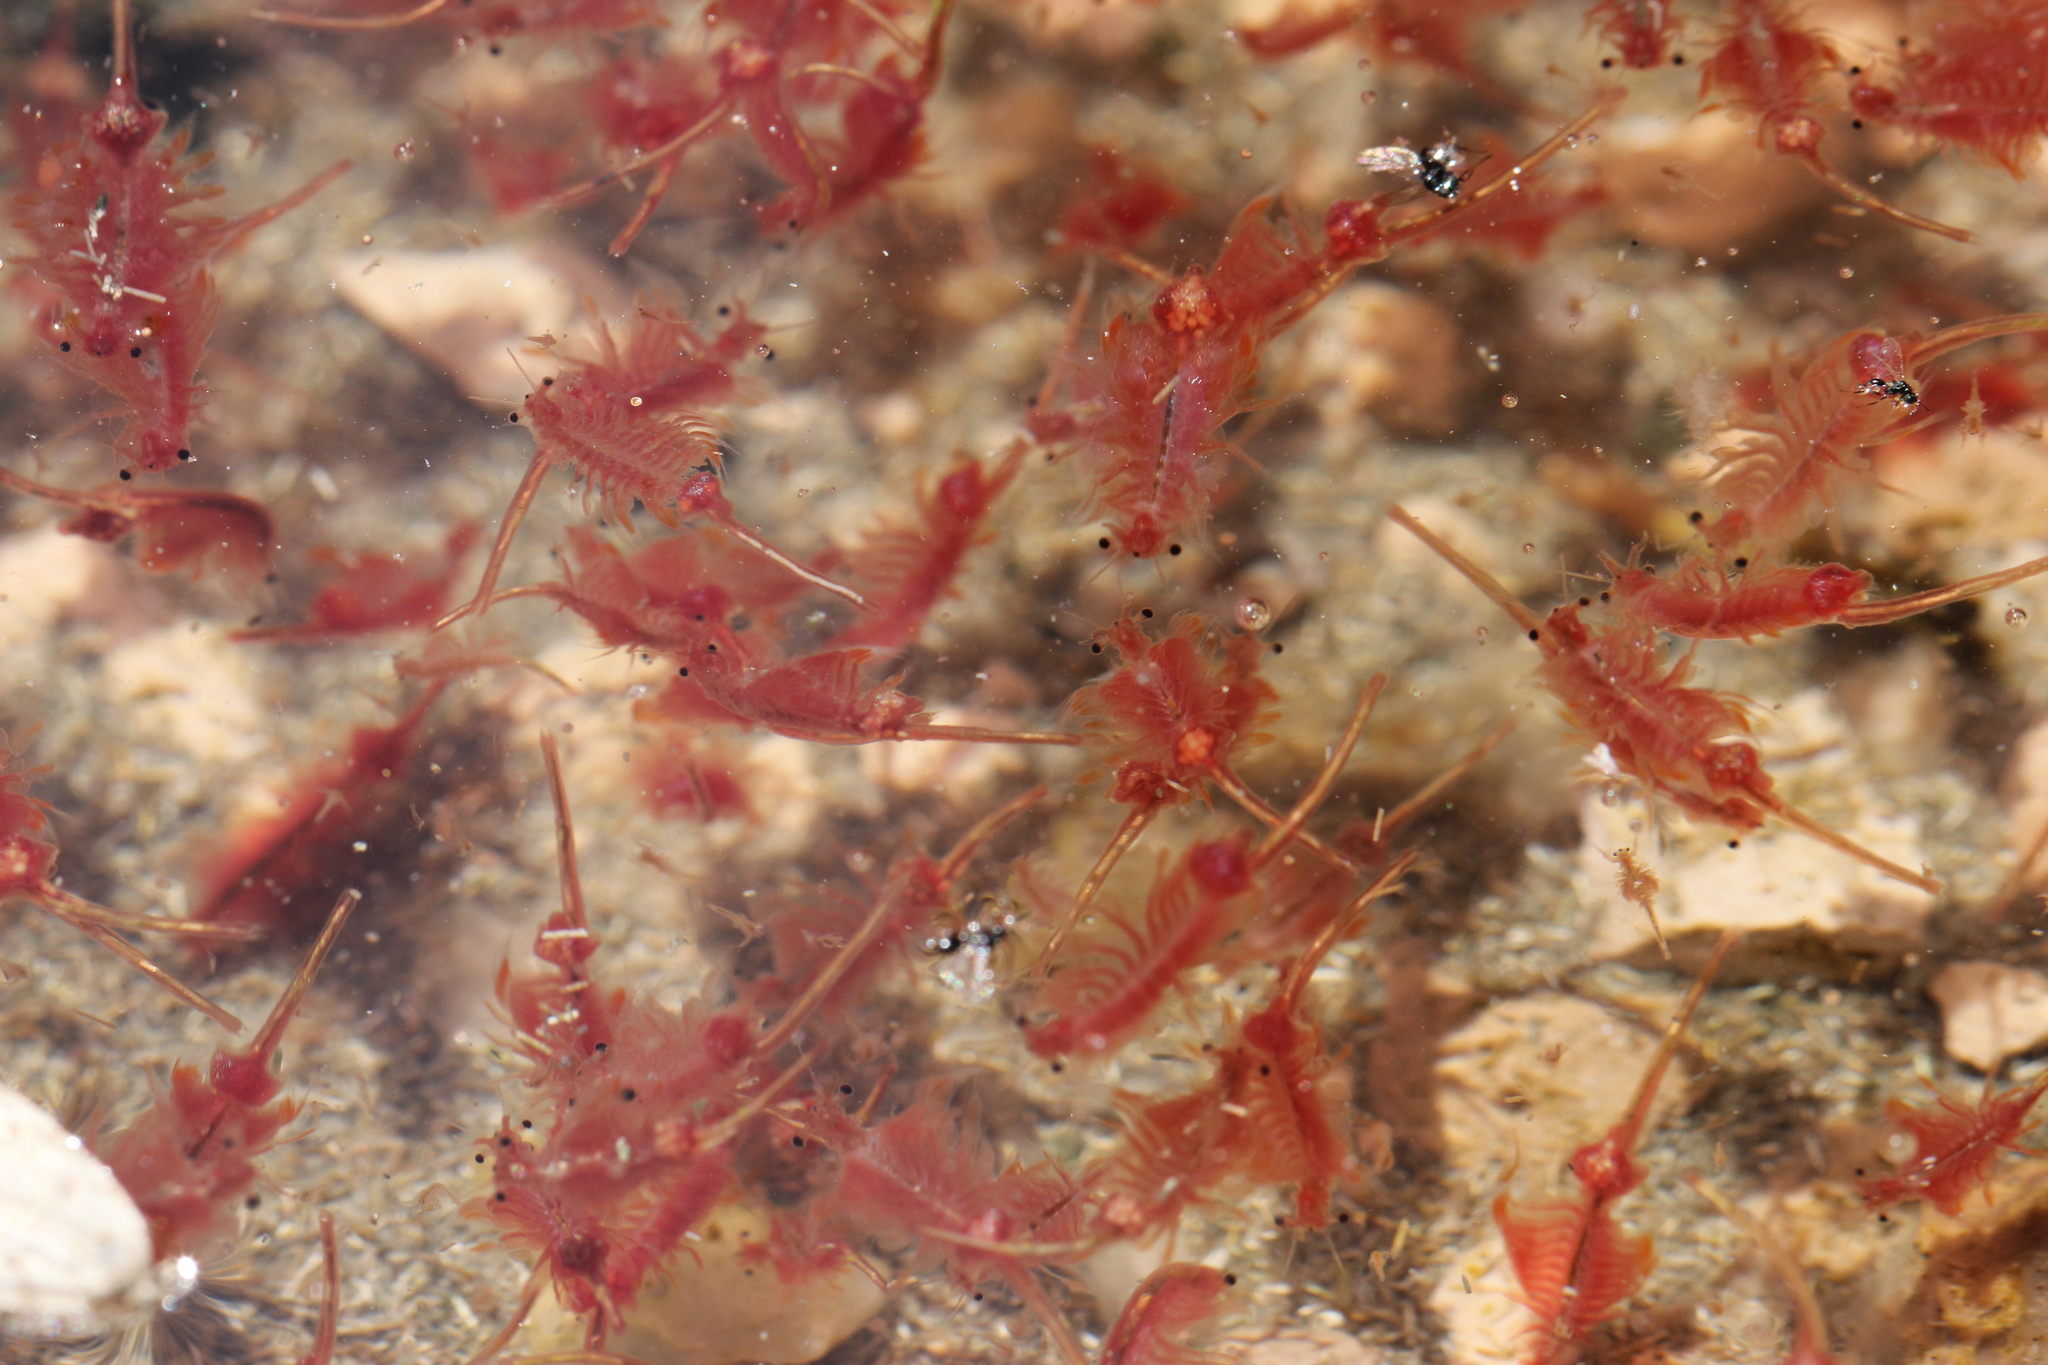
73,1246
713,1304
1531,1080
2029,799
1484,1323
1990,1011
1698,184
187,689
42,573
1308,1348
469,312
1375,346
1773,879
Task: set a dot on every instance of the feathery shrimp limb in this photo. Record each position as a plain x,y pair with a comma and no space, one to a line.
1319,790
1842,843
1898,608
1127,834
877,920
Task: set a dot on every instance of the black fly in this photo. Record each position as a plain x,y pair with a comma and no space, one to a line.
1440,169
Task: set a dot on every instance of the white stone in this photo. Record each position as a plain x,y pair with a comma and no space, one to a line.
72,1243
1990,1011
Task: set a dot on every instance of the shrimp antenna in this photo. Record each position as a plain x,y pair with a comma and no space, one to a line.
342,23
330,1296
1319,791
264,1044
573,908
124,49
1630,1130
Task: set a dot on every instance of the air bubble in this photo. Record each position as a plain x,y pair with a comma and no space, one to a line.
1528,547
1508,400
406,150
1482,632
1253,614
2015,615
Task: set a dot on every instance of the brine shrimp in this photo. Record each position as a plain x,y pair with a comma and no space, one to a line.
1768,66
1575,1264
1976,84
1144,412
1168,1306
267,871
26,861
905,571
367,592
628,421
1276,1110
1103,994
1955,1144
1685,743
847,63
189,1160
1793,465
823,697
1704,602
646,1103
1642,31
113,235
194,530
928,1176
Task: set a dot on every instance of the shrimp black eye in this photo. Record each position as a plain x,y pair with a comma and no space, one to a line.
1103,543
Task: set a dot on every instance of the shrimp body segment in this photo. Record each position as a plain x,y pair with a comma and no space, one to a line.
1955,1144
1167,1306
175,529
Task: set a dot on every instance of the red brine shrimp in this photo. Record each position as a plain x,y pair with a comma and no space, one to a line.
1954,1145
26,861
1684,743
668,597
1276,1111
1101,996
1702,602
832,93
926,1175
1793,465
269,871
191,1158
367,592
1176,713
629,422
1168,1306
1642,31
1144,413
1975,84
114,236
1575,1264
1769,66
905,571
823,697
196,530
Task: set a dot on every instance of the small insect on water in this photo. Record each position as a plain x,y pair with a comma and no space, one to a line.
965,951
1881,361
1440,169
